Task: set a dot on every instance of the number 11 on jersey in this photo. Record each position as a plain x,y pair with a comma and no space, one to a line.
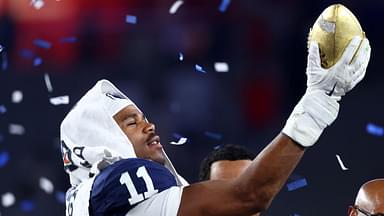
125,179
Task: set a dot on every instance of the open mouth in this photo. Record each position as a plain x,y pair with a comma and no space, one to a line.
155,140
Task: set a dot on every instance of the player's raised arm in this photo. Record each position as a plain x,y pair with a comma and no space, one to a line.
255,189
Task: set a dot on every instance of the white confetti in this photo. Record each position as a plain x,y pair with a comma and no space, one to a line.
46,185
59,100
181,56
16,129
199,69
37,4
341,163
17,96
48,82
181,141
221,67
1,48
7,199
175,6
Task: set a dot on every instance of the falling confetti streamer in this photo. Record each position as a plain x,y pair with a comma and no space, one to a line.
17,96
131,19
212,135
48,82
181,57
37,61
3,109
26,53
297,184
217,147
16,129
341,163
181,141
200,69
46,185
27,205
224,5
221,67
7,199
4,158
60,197
4,61
37,4
375,129
42,44
59,100
68,40
175,6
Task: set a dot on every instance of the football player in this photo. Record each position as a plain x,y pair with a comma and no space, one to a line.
117,165
226,163
369,200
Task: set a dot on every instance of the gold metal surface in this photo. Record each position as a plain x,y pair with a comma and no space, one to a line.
333,30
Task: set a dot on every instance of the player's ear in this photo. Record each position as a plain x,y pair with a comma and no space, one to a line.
352,211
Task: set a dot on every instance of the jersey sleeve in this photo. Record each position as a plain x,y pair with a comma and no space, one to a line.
128,183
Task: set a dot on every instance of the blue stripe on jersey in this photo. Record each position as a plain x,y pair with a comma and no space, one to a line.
110,197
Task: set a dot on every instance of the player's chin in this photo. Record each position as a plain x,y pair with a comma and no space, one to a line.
156,154
159,157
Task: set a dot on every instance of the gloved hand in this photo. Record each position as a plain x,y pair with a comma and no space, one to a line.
319,106
344,75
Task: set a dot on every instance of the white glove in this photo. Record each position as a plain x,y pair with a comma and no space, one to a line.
319,106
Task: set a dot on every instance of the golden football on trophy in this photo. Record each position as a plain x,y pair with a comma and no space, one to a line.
333,31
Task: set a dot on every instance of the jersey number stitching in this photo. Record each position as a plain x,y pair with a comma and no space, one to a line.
125,179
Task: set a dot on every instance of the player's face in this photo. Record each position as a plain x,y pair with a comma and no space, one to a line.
141,133
226,170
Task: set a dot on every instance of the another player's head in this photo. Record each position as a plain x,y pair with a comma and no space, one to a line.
141,133
225,163
369,200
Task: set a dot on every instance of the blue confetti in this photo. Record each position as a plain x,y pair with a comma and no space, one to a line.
68,40
224,5
212,135
200,69
375,129
131,19
297,184
42,43
37,61
60,196
4,158
26,53
27,205
181,57
3,109
4,64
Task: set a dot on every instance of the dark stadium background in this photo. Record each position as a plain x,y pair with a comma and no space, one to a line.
264,44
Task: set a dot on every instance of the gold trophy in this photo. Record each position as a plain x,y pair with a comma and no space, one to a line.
333,31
